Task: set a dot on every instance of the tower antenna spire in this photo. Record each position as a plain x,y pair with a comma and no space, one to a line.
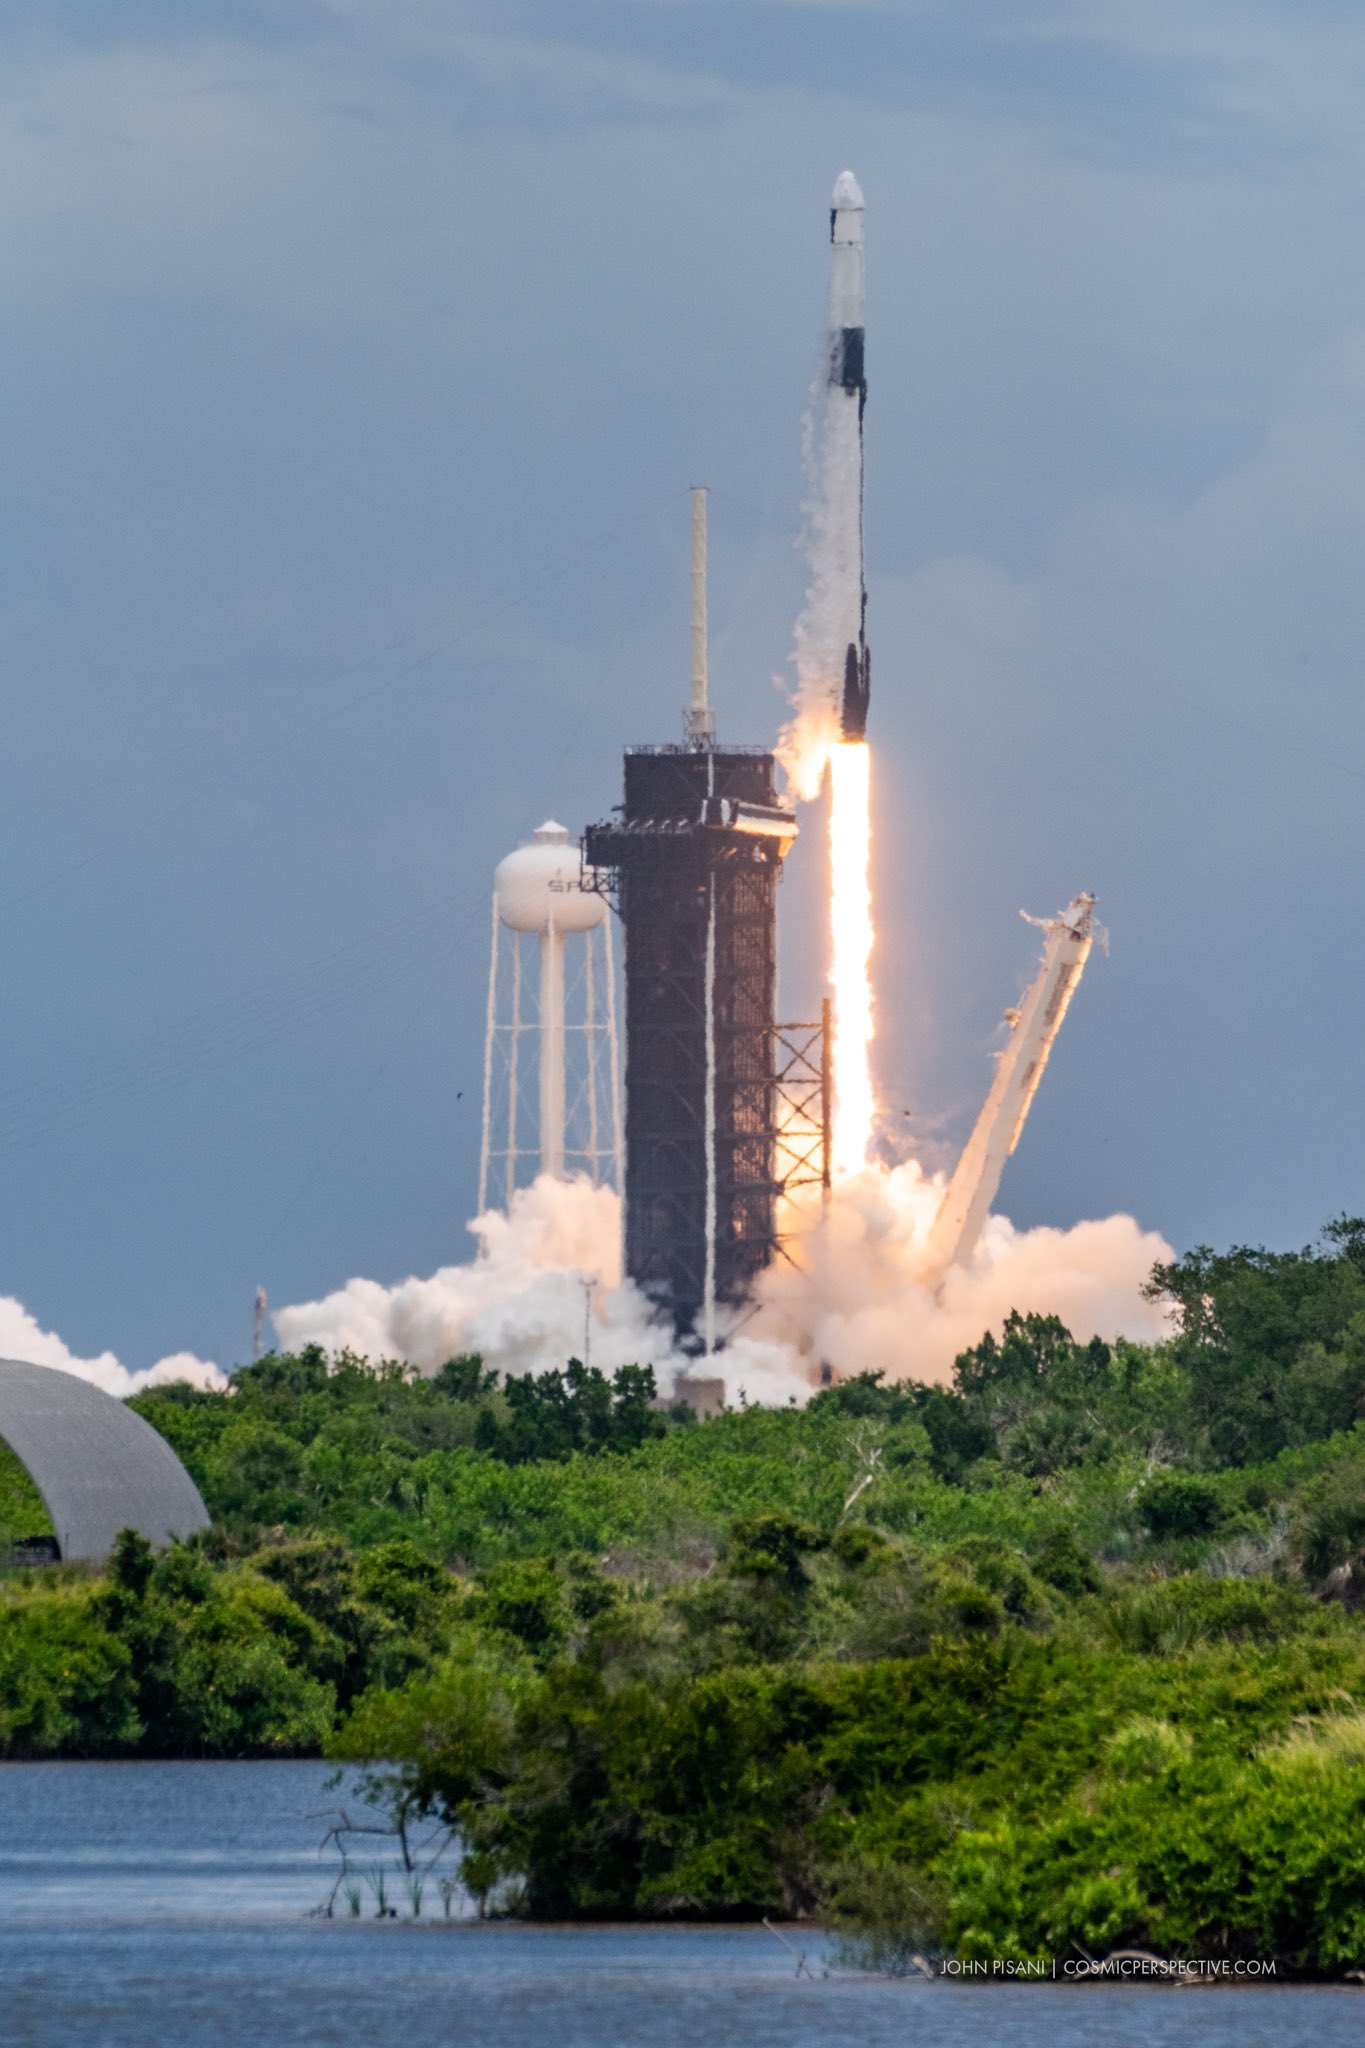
699,724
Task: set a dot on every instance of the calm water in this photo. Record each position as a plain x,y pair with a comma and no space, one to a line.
168,1906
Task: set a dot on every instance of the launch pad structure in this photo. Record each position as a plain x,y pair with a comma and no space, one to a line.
725,1110
692,861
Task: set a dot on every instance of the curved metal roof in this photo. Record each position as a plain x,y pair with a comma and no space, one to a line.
99,1467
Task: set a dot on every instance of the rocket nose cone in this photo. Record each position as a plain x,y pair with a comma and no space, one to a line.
848,193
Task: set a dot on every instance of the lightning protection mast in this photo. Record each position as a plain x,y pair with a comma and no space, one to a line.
692,859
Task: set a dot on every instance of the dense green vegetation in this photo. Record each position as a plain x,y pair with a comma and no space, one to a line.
1063,1655
22,1513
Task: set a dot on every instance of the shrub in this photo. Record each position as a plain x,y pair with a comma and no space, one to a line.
1061,1562
1329,1520
1179,1504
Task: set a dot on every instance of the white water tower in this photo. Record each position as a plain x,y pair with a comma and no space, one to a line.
565,1010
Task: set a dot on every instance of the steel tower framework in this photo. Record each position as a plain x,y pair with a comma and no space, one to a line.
692,860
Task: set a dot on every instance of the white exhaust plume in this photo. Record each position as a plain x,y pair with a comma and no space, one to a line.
22,1337
869,1297
546,1286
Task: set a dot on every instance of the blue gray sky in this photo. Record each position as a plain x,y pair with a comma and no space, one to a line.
355,358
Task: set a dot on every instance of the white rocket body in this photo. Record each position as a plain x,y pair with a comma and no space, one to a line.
846,273
847,401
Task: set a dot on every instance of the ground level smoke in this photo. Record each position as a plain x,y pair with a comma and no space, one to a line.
546,1285
858,1302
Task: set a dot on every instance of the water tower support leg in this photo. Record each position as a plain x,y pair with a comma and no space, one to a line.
552,1052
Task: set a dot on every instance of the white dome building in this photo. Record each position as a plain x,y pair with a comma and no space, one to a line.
539,893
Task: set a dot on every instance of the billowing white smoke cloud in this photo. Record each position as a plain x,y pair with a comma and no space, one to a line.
859,1304
22,1337
545,1286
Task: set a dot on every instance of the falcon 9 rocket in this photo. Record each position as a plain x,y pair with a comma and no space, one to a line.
848,386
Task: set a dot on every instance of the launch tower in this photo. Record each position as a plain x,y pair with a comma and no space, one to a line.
692,858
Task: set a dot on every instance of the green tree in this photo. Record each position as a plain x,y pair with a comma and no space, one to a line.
1267,1339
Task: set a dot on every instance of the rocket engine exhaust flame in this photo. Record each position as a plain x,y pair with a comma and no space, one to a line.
851,938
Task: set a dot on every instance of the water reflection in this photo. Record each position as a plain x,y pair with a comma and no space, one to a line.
168,1906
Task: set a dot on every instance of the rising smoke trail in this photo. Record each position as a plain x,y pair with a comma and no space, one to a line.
832,526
